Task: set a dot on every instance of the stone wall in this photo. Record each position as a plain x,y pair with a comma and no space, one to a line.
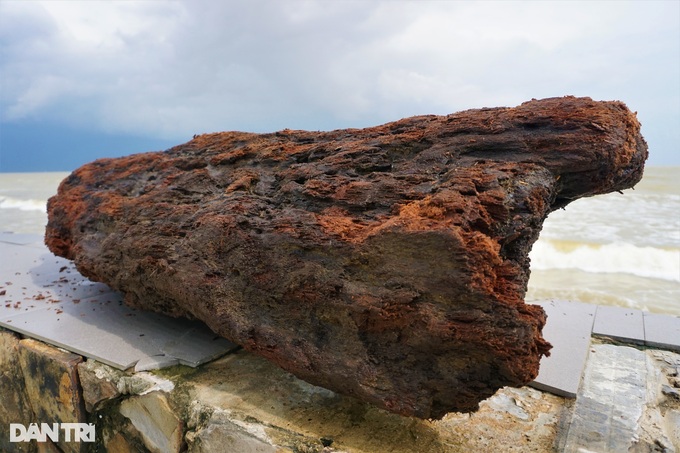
239,403
242,403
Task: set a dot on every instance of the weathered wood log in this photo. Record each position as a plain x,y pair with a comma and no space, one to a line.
388,263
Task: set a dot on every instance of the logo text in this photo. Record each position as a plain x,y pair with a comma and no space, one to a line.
69,432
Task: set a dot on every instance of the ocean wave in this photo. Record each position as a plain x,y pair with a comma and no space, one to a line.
23,205
644,220
649,262
617,289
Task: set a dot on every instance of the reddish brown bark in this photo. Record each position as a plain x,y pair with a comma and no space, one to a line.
387,263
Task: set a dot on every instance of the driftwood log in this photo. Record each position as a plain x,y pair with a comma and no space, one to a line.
387,263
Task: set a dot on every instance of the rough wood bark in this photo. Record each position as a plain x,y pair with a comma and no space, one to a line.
388,263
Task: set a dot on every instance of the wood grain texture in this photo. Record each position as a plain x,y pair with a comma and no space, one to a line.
387,263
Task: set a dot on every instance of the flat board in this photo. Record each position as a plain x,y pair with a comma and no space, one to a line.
44,297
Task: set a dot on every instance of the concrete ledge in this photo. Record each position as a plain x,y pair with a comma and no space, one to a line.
243,403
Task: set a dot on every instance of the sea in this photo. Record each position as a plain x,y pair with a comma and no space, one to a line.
620,249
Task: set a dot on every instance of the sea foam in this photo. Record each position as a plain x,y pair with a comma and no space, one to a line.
650,262
23,205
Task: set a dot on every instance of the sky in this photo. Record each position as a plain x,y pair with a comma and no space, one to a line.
80,80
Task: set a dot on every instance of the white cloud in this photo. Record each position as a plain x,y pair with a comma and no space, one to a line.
173,68
112,25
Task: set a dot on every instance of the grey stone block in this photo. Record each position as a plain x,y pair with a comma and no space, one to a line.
46,298
568,328
620,323
662,331
610,402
